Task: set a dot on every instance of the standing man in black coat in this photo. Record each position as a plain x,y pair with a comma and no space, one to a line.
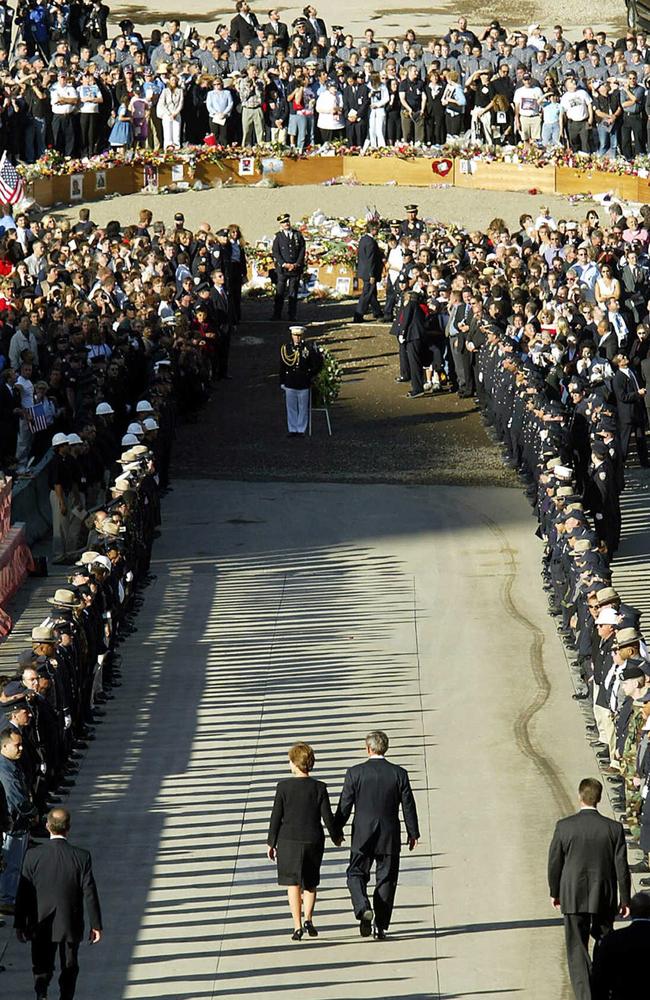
589,880
289,255
630,403
375,790
356,109
370,264
415,339
244,26
620,970
274,26
56,881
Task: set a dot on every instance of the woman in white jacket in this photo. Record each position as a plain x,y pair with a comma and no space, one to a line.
169,107
378,102
329,108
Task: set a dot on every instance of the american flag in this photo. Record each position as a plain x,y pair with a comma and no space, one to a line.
36,418
12,188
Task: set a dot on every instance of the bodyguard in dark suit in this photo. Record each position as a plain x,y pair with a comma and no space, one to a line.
620,966
274,26
370,263
375,790
289,255
56,882
244,25
589,880
630,404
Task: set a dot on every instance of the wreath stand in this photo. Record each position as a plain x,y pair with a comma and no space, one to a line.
319,409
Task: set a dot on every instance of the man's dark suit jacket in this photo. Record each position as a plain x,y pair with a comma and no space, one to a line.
620,969
629,404
280,31
244,31
376,789
56,881
587,864
370,259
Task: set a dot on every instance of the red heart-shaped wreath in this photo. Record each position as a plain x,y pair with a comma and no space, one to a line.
442,167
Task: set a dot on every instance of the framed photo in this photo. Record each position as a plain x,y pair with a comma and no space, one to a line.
246,166
177,172
100,180
76,187
151,178
344,286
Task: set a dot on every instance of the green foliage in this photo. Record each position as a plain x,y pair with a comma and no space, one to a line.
327,383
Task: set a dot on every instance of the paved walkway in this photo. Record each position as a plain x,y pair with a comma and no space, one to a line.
318,612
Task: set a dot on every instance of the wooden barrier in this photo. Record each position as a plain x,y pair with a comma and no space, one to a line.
496,176
286,172
570,180
392,170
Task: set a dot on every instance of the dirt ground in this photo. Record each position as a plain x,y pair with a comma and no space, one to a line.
378,434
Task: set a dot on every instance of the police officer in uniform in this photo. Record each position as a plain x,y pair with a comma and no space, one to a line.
412,227
289,255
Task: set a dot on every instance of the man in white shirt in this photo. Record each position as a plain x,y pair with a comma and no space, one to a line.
26,388
576,115
528,109
64,100
22,340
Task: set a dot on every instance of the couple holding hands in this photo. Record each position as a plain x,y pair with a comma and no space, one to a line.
375,790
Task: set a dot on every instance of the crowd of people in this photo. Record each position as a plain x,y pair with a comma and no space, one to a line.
89,316
547,328
73,81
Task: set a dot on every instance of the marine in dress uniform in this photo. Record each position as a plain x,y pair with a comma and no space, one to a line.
289,255
300,363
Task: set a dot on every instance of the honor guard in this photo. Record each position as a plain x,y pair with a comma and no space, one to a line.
289,256
412,226
300,363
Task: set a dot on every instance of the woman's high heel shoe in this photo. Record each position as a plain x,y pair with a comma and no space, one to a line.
309,927
297,935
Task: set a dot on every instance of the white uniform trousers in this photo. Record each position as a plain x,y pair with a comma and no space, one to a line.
297,401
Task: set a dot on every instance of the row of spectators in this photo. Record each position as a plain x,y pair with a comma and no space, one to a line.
66,84
547,329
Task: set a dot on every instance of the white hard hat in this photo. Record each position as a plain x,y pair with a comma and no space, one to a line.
103,561
144,406
150,424
59,439
74,439
129,439
103,410
135,429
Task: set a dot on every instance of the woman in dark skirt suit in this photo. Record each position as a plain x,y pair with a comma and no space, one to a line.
296,837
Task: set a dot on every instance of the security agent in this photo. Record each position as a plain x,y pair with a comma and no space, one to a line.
370,265
412,226
289,255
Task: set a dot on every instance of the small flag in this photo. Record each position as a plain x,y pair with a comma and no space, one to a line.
36,418
12,188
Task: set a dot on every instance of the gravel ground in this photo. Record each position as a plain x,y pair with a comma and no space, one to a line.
379,434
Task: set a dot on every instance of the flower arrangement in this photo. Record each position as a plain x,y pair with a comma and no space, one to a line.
327,383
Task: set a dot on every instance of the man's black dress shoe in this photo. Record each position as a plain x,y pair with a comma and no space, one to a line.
365,923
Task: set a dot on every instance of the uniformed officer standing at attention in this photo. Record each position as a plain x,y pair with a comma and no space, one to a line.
370,264
412,226
289,256
300,363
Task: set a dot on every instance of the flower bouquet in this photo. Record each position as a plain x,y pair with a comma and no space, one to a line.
327,384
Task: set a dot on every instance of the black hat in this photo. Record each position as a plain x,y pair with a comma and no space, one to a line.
16,705
599,449
285,217
411,208
395,222
632,672
14,688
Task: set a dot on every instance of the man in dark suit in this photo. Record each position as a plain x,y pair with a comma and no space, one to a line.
289,255
274,26
620,969
356,109
589,880
630,404
370,263
244,26
56,881
375,790
220,312
315,26
634,286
